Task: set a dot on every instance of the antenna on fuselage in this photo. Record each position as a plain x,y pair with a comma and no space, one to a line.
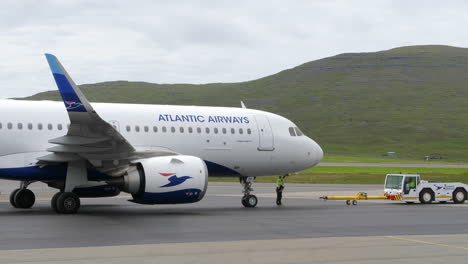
243,105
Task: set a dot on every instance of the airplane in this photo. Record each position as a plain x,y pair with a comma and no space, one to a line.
160,154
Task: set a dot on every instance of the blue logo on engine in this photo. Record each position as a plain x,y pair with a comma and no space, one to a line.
174,180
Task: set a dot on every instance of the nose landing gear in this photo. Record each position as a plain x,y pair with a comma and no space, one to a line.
22,197
248,200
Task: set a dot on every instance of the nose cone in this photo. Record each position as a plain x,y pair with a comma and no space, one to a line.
315,152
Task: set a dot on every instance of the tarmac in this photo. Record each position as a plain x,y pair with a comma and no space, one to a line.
218,229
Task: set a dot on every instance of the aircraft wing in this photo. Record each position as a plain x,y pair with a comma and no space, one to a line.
89,137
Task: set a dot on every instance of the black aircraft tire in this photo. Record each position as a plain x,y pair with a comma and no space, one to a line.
24,198
53,202
12,198
68,203
251,201
244,201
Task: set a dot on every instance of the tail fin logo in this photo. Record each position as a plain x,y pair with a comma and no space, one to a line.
70,105
173,179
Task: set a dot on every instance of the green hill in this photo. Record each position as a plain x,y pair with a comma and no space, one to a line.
410,100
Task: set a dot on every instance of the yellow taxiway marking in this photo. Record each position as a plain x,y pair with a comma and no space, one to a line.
425,242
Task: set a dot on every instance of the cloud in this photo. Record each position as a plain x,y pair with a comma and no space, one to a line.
204,41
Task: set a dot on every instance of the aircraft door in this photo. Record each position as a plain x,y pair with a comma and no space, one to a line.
266,142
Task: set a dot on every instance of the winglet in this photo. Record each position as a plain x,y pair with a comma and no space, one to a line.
72,96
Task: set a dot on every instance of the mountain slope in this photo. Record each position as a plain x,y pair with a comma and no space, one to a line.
410,100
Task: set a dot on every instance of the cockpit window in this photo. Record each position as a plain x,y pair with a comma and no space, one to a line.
292,132
298,132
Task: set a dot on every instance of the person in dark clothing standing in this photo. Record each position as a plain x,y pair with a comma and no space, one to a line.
279,189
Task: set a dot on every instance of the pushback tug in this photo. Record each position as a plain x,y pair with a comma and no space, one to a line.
410,188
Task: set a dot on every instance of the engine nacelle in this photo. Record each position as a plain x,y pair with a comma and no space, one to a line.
167,180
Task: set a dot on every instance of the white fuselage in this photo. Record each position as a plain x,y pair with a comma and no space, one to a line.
232,140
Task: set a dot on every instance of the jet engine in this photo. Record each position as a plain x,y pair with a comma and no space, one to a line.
166,180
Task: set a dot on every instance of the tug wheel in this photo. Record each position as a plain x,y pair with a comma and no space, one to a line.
426,196
459,196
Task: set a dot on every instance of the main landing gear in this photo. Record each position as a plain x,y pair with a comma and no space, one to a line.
62,202
65,203
22,197
249,200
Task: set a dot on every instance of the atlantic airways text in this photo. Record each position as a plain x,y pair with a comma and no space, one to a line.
203,119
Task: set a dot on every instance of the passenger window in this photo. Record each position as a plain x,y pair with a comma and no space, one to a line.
1,126
30,126
128,128
59,127
224,130
233,131
241,131
198,130
9,125
146,129
155,129
292,132
207,130
137,128
298,132
190,129
181,129
49,126
173,129
249,131
164,129
39,126
215,130
20,126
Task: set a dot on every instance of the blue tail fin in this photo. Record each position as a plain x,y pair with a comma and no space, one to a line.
72,97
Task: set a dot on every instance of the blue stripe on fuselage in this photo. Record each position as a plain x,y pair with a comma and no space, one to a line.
214,169
174,197
46,173
59,172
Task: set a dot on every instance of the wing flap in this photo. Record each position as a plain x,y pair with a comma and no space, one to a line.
59,157
78,149
77,140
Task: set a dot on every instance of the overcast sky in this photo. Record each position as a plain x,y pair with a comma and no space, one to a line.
205,41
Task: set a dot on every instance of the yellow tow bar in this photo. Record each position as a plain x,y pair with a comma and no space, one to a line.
353,199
